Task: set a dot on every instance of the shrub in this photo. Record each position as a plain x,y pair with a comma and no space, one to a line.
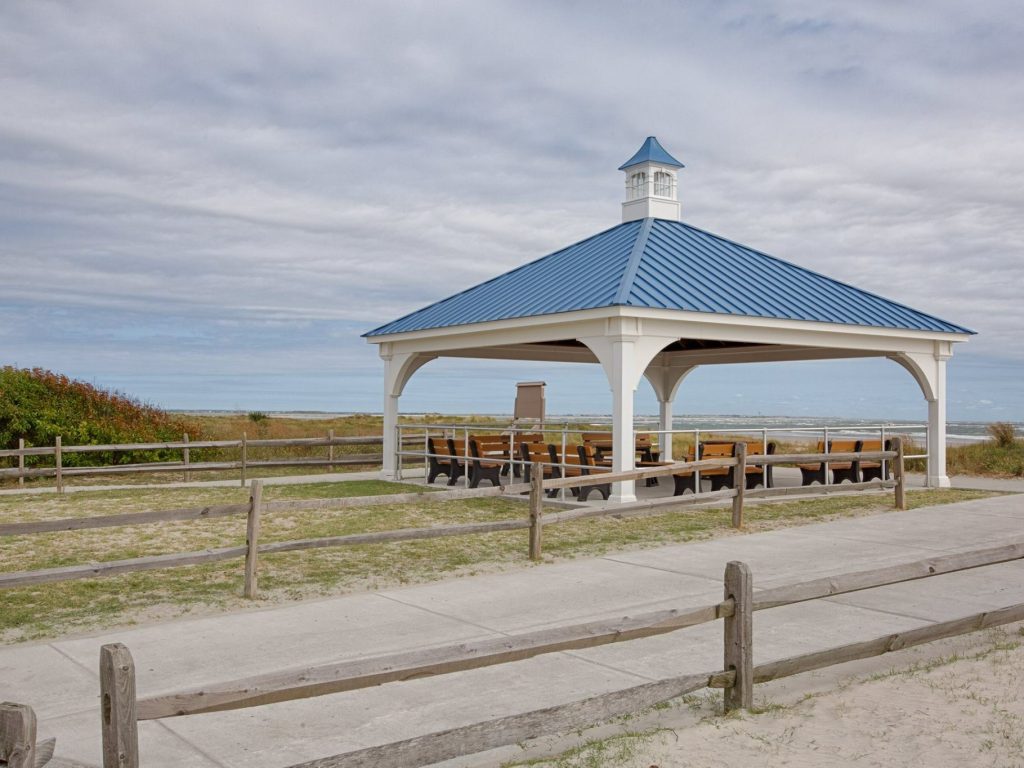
257,416
1003,434
38,405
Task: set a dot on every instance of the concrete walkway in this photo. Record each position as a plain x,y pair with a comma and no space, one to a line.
60,678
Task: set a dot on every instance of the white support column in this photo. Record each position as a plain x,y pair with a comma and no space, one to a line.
389,468
937,477
624,352
665,424
623,384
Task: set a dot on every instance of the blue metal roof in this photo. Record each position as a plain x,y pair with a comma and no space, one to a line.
665,264
653,152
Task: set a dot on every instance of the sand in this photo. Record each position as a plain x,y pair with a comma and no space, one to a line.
958,703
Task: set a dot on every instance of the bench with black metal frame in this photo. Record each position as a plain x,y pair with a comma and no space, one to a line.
841,470
587,461
458,462
720,479
873,470
487,458
543,454
437,465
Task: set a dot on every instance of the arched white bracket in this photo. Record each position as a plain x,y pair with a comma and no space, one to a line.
398,369
922,368
929,371
625,354
665,380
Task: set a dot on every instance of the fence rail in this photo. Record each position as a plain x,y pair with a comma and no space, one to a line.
122,710
243,464
534,522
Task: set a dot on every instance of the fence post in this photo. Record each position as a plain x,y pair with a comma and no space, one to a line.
899,474
117,707
21,461
185,459
252,535
58,461
17,735
739,650
536,509
739,482
330,450
245,452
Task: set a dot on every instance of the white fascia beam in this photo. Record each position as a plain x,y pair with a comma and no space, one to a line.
767,354
669,323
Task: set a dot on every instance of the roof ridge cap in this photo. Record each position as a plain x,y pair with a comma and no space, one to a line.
633,263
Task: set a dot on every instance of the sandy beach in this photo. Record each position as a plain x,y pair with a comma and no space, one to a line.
952,703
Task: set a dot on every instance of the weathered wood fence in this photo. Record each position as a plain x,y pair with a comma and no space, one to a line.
243,464
535,521
122,710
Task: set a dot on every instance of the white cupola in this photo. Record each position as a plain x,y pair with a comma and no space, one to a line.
651,190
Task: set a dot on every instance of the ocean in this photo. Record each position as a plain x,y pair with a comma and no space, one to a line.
781,427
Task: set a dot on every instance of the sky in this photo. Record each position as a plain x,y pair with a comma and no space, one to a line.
205,204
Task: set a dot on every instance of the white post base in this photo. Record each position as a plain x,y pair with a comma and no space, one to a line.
939,481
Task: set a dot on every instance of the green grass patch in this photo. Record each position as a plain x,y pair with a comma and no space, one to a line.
54,609
988,458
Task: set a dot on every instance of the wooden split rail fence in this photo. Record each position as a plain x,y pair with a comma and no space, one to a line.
534,522
121,710
243,464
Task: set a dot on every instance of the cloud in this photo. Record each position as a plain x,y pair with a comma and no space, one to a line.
225,177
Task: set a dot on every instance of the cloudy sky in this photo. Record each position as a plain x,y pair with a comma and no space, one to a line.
204,204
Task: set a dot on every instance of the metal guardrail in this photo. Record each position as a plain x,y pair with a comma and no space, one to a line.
563,430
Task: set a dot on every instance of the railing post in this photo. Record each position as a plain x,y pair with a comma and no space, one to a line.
739,482
17,735
825,467
21,462
58,461
885,462
536,508
185,456
899,475
252,535
245,452
739,630
117,707
330,450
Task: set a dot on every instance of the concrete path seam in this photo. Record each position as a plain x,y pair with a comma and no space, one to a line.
190,745
673,571
851,604
443,615
610,667
93,672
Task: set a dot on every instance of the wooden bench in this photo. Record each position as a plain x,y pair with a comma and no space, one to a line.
756,473
587,460
512,440
488,457
602,446
686,480
720,478
437,448
873,470
841,470
457,449
543,454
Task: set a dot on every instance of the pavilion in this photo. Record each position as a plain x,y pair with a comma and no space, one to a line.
656,297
